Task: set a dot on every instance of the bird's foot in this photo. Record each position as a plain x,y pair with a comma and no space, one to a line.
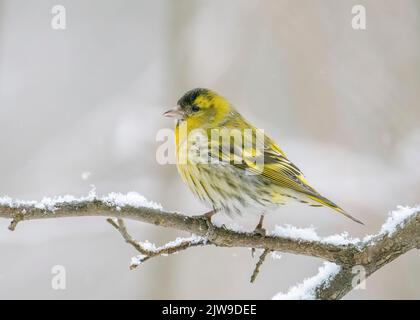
210,226
259,228
260,231
207,216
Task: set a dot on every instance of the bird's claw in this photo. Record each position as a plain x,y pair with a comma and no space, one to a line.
260,231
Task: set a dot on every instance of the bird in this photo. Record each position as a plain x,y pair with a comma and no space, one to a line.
232,166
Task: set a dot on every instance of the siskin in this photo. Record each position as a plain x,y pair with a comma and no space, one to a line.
232,166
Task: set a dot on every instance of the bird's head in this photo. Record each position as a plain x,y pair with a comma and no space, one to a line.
201,108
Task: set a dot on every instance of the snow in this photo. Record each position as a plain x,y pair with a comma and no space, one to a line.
132,199
341,239
193,239
309,234
48,204
85,175
231,227
396,219
292,232
117,200
275,256
135,261
307,289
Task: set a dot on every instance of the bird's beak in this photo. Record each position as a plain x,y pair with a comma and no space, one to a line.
176,112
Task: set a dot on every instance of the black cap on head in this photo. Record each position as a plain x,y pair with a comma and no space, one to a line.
189,97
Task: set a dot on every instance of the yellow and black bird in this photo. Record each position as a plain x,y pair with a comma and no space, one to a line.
232,166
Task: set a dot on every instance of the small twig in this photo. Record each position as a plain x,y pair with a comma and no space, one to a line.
113,223
146,254
258,265
13,224
122,229
16,218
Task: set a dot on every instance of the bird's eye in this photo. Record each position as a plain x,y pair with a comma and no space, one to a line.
195,108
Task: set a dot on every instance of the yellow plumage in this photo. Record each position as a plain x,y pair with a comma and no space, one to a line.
232,166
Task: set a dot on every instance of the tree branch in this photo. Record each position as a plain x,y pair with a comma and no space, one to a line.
400,234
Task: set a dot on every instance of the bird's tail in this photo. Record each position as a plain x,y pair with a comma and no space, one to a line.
327,203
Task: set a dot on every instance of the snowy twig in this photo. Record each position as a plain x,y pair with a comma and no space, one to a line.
148,250
310,288
398,235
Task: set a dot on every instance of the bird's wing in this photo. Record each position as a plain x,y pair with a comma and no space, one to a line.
278,169
262,156
257,154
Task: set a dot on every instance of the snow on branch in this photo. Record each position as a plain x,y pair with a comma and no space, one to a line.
307,290
399,234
